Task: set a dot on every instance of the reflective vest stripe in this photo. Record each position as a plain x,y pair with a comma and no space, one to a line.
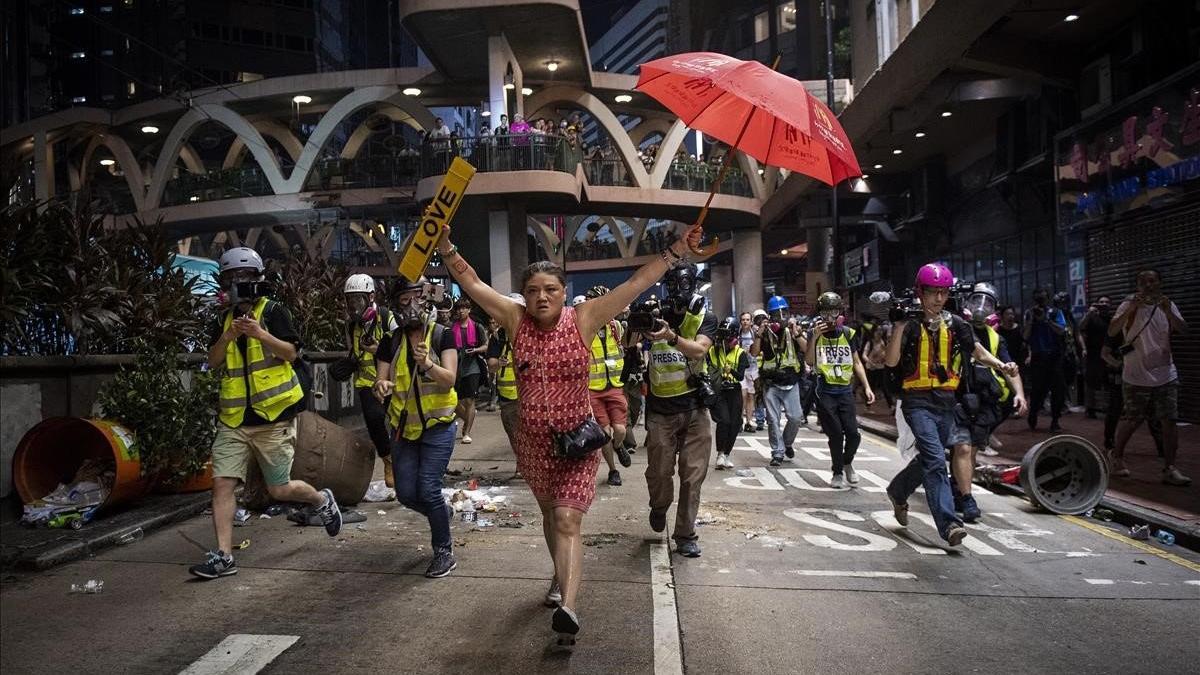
506,378
418,403
994,349
924,377
669,368
365,372
600,375
784,358
719,360
273,387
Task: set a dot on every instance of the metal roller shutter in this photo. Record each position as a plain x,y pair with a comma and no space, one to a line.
1168,241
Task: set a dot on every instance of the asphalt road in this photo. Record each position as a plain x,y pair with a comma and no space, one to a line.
795,577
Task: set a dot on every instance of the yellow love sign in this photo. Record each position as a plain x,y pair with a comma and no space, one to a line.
440,211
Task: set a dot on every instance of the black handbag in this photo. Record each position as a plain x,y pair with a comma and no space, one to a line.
578,443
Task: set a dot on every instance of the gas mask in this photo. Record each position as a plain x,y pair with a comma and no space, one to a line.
358,306
412,316
831,317
981,306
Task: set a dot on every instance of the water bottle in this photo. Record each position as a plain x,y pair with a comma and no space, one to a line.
1165,538
468,512
131,536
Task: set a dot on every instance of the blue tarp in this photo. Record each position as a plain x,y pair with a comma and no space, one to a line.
204,268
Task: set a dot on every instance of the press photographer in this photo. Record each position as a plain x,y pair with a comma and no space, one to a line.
677,424
782,347
727,364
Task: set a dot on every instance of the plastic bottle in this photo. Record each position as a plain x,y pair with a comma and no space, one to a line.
131,536
468,512
1165,538
92,587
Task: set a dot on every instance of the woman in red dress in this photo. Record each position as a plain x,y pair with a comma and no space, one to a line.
552,352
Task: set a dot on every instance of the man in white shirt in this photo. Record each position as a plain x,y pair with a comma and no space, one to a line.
1150,381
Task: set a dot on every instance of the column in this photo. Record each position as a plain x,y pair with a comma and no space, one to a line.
721,292
820,253
43,167
518,243
748,265
499,250
500,55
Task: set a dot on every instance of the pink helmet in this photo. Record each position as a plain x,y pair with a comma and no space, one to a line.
935,275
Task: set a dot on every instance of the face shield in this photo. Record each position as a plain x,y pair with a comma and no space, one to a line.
981,306
830,316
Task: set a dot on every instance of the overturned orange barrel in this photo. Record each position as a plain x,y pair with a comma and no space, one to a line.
53,450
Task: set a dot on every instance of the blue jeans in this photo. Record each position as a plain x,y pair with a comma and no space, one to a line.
932,430
781,400
417,467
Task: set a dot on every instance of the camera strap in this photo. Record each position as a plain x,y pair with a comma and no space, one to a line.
1144,326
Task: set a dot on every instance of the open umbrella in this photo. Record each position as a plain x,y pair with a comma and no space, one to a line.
752,108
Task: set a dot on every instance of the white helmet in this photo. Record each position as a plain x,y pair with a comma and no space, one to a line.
359,283
517,298
578,300
241,257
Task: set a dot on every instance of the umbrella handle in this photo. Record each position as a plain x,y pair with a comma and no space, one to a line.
707,247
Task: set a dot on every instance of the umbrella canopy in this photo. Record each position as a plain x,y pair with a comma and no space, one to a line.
755,109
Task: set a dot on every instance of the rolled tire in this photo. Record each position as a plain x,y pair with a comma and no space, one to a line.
1066,475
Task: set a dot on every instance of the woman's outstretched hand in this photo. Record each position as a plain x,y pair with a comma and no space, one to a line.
443,244
691,245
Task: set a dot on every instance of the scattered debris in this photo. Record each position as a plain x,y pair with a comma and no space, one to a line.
1165,537
73,504
601,540
92,587
744,473
707,518
381,512
240,517
1139,561
131,536
264,516
245,543
361,528
275,509
515,524
484,522
1139,532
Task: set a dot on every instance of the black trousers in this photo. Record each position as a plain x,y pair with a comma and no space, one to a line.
375,416
1047,375
727,415
840,424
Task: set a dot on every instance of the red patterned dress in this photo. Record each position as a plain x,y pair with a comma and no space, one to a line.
552,384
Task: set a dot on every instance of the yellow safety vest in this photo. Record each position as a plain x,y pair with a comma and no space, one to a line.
722,363
364,374
994,347
602,375
787,359
269,381
421,405
669,368
835,358
506,377
925,378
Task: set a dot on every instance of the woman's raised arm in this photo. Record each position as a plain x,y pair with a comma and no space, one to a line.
506,312
593,314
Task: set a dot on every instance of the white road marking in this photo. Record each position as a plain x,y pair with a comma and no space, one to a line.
762,479
241,654
808,516
1100,582
1193,582
907,576
887,520
668,656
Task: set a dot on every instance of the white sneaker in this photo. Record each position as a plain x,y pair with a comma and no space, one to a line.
720,462
466,439
1172,476
851,474
729,463
838,482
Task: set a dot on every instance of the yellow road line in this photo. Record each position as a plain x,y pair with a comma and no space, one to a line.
1140,545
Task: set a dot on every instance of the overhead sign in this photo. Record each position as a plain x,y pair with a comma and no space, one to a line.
440,211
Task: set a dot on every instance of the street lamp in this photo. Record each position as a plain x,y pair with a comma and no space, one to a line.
623,98
552,66
300,99
149,129
411,91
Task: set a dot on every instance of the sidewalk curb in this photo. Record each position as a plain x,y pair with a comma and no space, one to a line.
1130,512
74,549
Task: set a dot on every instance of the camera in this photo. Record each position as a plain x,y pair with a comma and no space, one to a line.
644,316
704,389
249,291
902,305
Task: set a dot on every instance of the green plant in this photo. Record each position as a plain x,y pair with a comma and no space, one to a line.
311,288
173,424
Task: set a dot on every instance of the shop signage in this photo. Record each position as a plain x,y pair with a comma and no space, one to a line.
860,265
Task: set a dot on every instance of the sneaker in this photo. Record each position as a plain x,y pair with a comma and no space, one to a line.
466,439
776,461
1118,470
955,534
728,463
443,563
989,452
1172,476
614,478
789,452
330,514
748,428
838,482
1054,427
1031,421
688,548
623,456
565,622
216,564
630,443
970,509
761,426
554,594
994,442
851,475
899,509
720,461
658,520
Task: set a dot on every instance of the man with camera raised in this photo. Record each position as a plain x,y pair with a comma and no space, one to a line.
678,427
256,343
931,353
782,348
834,353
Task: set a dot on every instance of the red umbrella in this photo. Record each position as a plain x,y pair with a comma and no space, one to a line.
755,109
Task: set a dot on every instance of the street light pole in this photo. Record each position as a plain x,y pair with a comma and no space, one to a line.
836,282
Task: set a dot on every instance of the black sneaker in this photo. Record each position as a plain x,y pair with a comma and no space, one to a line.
1054,427
614,478
970,510
761,426
688,549
623,456
748,428
443,563
658,520
776,461
216,564
566,624
789,452
330,514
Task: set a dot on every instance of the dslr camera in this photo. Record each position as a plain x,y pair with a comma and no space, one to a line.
249,291
906,305
644,316
704,389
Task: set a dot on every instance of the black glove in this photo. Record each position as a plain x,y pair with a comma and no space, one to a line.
343,369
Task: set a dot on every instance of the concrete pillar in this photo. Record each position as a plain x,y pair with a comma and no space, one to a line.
43,167
721,292
499,251
518,243
748,265
500,55
820,259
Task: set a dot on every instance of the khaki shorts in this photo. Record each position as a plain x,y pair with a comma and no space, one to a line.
610,407
1156,403
273,446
